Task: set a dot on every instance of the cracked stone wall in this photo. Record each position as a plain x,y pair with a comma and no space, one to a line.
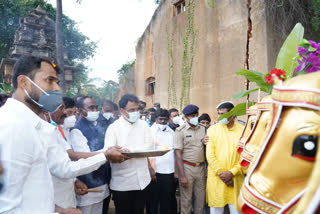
223,45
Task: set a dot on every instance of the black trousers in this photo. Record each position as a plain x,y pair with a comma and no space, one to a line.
129,202
106,202
160,195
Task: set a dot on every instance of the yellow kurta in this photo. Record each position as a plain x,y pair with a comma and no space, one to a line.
222,156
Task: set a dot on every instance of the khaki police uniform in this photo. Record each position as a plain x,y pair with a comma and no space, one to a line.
189,141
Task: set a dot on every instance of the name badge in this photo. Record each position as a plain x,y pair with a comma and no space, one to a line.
189,136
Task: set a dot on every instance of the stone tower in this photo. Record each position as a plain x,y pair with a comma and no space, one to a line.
34,36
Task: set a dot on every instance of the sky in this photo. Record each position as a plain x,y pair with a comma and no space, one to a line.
116,25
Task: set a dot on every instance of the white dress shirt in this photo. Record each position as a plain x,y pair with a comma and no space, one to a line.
30,152
164,138
27,181
64,194
131,174
79,144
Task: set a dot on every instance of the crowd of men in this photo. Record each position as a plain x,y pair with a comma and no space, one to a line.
67,155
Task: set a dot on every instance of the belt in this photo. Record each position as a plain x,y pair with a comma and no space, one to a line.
192,164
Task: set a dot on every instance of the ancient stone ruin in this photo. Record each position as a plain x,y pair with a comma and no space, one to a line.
35,36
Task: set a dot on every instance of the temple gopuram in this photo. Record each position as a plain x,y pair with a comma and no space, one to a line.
35,36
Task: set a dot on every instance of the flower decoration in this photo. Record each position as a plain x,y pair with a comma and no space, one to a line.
309,57
281,74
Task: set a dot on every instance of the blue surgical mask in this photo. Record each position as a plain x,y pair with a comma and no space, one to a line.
49,101
194,121
224,121
133,116
53,123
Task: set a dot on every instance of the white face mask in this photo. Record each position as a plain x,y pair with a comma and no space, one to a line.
176,120
162,127
181,121
92,116
224,121
133,116
69,122
194,121
108,115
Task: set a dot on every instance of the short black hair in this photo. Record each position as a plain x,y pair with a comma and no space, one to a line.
107,102
115,107
173,110
126,98
156,104
142,102
29,65
81,101
68,102
205,116
77,99
151,110
162,113
227,105
153,118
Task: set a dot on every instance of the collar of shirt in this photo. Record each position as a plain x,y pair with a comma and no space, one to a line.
189,127
157,128
24,111
126,122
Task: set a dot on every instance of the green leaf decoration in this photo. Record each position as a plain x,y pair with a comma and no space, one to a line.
256,77
5,88
244,93
238,110
304,43
311,49
288,51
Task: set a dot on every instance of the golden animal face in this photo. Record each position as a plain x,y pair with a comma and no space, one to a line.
287,162
252,113
279,174
255,132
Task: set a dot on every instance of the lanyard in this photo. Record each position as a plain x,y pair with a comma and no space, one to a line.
61,132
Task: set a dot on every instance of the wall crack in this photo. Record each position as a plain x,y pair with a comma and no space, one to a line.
249,36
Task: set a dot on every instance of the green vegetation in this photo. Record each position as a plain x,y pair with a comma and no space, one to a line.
188,39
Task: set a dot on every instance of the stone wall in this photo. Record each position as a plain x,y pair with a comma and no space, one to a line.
233,34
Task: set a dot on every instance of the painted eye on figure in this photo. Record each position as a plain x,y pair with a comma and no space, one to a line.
305,147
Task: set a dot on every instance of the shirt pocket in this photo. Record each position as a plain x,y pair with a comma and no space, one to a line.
188,140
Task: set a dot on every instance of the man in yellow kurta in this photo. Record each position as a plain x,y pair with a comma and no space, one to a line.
225,177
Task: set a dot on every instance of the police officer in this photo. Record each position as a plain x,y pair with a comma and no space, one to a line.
189,153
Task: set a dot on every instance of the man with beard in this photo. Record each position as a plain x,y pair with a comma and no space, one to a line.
29,144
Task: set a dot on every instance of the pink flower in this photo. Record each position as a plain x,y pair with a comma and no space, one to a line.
302,51
315,45
314,62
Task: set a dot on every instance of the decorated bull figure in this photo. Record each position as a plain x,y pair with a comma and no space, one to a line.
279,175
258,123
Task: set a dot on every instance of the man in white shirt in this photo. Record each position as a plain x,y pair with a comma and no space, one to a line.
162,193
129,178
88,136
29,148
64,191
27,181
